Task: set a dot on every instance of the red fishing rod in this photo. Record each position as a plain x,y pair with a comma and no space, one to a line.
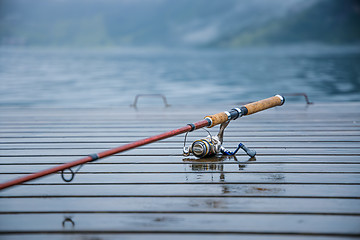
209,121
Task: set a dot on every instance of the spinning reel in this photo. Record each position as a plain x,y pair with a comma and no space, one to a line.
212,145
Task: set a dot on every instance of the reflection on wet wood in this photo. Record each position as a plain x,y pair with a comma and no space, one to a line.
304,182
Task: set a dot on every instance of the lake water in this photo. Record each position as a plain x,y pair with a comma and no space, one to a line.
113,77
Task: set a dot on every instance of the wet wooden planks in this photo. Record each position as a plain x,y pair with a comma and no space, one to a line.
304,183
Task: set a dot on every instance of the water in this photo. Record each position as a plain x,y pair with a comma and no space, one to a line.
113,77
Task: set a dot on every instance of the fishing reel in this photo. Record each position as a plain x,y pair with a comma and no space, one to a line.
212,145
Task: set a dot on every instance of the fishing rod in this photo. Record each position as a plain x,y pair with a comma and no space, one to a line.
202,148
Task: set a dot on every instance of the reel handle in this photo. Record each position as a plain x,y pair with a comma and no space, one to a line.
247,109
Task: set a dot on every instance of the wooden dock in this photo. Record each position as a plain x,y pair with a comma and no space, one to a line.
304,183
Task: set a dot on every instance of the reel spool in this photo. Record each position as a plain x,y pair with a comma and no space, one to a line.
212,145
204,147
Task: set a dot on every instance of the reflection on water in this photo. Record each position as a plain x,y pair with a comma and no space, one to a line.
215,166
214,163
113,77
276,177
208,203
210,164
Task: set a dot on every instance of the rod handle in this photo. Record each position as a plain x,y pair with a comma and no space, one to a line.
248,109
264,104
216,119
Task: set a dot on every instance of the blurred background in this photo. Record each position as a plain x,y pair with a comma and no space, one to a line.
96,53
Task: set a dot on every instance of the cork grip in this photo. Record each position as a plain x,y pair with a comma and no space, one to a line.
217,118
264,104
